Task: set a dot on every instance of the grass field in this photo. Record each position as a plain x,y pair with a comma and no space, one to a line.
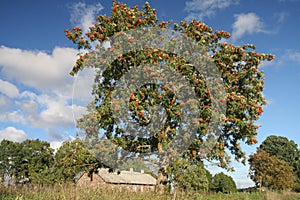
71,192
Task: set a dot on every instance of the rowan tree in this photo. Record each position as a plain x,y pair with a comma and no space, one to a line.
71,159
271,172
236,66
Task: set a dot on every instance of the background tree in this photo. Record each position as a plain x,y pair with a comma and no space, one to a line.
284,149
223,183
271,172
210,179
72,158
9,161
193,178
239,74
27,162
36,158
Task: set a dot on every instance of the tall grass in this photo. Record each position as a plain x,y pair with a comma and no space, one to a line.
70,192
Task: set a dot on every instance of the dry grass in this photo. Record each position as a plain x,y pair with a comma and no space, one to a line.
70,192
282,195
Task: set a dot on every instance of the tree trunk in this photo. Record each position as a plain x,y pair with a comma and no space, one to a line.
162,180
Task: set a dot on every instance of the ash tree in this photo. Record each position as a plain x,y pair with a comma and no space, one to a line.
239,76
26,163
271,172
286,150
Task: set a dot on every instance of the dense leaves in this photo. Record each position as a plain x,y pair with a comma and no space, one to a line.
223,183
284,149
25,163
240,76
271,172
73,158
193,178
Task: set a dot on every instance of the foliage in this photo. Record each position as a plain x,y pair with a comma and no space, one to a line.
72,158
239,74
209,177
223,183
26,162
9,159
284,149
193,178
37,157
271,172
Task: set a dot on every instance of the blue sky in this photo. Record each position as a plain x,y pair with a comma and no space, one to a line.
35,59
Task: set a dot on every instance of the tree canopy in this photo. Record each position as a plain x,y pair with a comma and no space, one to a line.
271,172
286,150
25,162
133,47
282,148
193,178
73,158
223,183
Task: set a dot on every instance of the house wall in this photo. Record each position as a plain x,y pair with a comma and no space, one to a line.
134,188
97,181
85,181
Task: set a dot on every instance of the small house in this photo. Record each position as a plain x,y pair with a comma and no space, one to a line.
134,181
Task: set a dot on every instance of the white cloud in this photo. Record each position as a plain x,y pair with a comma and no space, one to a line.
46,112
84,15
8,89
38,69
281,16
246,24
58,112
14,116
292,56
83,85
46,99
55,145
199,9
12,134
244,182
5,103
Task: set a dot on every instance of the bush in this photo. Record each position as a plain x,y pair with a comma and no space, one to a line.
223,183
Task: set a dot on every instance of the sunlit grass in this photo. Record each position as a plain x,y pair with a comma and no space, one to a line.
70,192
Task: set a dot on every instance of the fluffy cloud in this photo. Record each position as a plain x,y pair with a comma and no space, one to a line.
8,89
246,24
199,9
12,134
47,97
38,69
83,15
5,103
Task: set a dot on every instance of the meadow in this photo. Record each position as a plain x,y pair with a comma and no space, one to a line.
70,192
